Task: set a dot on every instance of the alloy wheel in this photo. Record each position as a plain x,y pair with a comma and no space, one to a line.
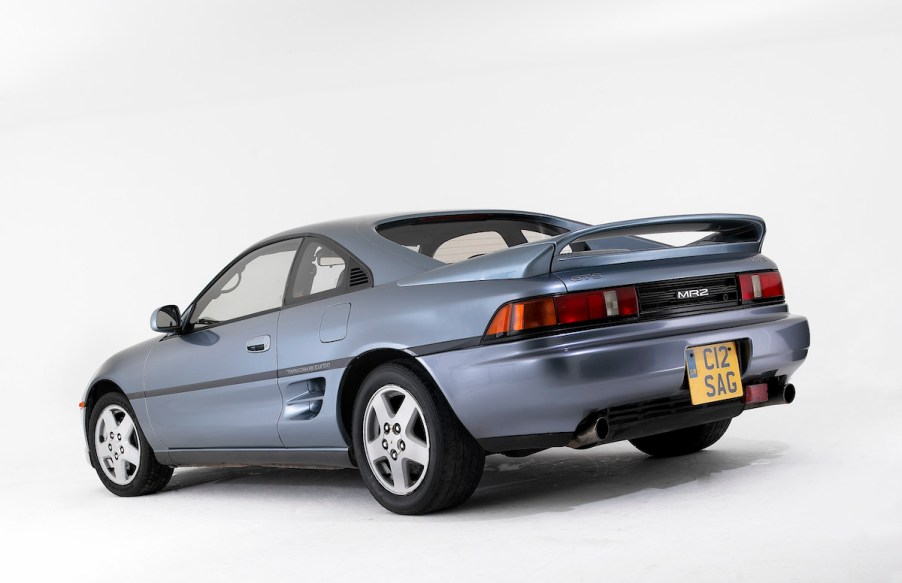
396,439
117,445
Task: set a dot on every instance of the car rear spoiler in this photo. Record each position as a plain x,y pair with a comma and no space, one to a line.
728,234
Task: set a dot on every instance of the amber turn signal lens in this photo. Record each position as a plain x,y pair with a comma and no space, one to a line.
533,314
500,322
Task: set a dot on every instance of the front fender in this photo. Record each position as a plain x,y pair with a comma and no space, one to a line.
123,371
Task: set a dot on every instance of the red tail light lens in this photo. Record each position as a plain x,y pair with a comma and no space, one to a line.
596,305
767,285
563,311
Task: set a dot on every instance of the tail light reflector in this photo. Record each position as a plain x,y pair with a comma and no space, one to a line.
755,393
563,311
760,286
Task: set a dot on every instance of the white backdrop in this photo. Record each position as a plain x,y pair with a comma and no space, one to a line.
143,145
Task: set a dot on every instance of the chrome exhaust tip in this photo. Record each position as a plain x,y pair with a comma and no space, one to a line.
593,434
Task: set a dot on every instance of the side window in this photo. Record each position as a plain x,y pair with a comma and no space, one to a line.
469,245
255,283
320,269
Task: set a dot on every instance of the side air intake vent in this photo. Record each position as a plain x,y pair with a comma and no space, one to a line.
357,277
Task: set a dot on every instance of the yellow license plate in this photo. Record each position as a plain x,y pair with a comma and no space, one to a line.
713,372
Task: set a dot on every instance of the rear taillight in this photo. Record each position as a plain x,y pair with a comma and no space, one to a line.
767,285
550,313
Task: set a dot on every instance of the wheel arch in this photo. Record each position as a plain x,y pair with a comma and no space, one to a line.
357,371
95,393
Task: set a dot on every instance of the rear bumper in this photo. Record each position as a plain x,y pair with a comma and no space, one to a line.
535,393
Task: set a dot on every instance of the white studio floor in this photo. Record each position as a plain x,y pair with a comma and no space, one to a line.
805,492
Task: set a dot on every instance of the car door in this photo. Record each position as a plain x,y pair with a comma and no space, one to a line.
215,385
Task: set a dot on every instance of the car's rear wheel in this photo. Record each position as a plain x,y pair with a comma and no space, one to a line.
414,455
682,441
119,451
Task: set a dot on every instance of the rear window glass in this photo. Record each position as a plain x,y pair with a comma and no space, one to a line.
533,236
453,239
468,246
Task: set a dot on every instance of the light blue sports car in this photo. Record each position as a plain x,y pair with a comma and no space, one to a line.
413,346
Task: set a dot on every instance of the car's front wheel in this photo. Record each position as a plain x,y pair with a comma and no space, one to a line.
414,455
682,441
119,452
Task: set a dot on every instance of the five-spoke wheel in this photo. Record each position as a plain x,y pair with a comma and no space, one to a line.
116,445
397,442
414,455
120,454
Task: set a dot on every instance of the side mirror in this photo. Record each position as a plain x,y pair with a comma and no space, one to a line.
166,319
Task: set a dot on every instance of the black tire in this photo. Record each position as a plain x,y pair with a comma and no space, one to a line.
150,476
455,459
682,441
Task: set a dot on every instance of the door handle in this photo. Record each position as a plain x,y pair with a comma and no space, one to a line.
258,344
